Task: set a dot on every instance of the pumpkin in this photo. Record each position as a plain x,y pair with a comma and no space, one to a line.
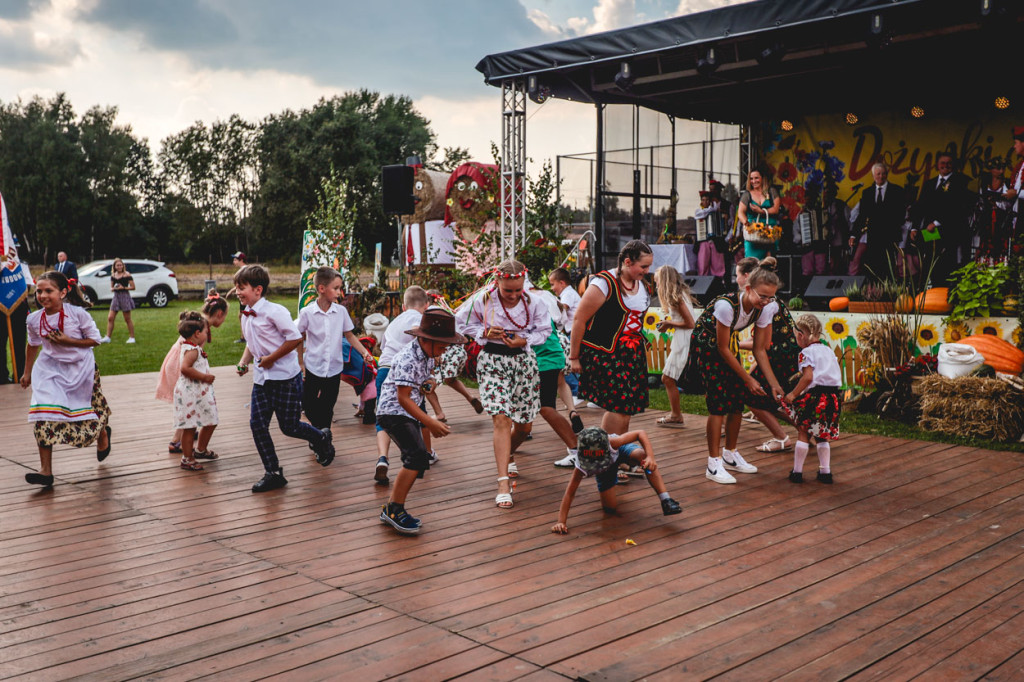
838,303
1002,356
905,303
934,301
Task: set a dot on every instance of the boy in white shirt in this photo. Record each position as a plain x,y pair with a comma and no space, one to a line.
561,284
271,338
395,339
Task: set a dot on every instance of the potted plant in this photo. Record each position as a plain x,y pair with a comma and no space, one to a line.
877,298
979,291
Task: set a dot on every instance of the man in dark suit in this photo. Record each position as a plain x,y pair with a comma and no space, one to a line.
66,267
880,216
941,226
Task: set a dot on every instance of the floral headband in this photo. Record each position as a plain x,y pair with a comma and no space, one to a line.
510,275
213,296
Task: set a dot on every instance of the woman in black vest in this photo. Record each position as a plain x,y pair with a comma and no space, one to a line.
608,350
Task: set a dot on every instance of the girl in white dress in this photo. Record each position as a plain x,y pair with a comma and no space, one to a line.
194,402
675,300
67,405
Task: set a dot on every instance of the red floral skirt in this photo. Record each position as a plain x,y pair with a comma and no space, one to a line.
817,411
616,381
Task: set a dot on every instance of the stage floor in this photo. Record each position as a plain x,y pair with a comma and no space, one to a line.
910,565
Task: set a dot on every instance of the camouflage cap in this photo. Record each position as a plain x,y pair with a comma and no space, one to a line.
593,452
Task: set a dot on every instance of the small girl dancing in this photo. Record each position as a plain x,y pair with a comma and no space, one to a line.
67,403
507,322
675,300
814,404
194,403
214,311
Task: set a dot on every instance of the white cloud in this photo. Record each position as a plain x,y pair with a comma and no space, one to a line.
544,23
691,6
608,15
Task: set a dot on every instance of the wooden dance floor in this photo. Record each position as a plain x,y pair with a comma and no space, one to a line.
911,566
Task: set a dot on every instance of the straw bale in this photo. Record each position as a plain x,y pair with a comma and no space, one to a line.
428,188
972,406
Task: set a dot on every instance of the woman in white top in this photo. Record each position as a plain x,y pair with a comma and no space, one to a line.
67,405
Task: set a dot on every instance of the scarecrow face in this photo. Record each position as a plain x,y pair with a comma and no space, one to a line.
471,205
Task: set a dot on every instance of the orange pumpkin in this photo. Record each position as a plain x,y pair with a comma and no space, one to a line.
1002,356
934,301
838,303
905,303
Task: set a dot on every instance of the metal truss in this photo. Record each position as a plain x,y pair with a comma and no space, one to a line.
513,166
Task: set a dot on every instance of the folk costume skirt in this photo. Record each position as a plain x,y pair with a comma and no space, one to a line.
509,385
77,433
818,411
616,381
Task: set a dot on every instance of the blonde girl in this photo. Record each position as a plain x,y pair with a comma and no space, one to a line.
675,300
121,286
814,404
507,322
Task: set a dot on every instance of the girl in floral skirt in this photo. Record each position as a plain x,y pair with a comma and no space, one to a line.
507,322
67,405
195,406
815,403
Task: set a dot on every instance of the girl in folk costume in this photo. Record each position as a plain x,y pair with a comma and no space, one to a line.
67,404
195,406
814,404
715,368
607,346
214,311
507,322
674,296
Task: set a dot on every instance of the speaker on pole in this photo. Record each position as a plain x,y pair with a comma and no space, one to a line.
830,286
396,190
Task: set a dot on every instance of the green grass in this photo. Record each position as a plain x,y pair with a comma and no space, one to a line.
156,329
853,422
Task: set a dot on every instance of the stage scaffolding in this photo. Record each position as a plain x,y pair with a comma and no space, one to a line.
513,166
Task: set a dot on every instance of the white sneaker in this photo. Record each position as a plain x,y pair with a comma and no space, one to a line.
434,459
105,339
568,461
594,406
738,463
576,402
716,471
131,339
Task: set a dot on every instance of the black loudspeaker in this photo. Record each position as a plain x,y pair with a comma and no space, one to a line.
788,270
705,288
396,190
830,286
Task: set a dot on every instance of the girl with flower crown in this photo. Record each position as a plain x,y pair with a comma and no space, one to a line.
507,322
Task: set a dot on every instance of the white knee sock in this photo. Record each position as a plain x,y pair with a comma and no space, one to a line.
824,456
799,455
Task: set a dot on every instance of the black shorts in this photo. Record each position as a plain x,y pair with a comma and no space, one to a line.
408,436
549,387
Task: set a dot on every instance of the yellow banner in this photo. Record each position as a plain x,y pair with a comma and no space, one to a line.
909,146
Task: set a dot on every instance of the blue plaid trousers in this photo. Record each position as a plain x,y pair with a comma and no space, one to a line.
285,398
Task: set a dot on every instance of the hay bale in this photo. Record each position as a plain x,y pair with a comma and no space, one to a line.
428,188
972,406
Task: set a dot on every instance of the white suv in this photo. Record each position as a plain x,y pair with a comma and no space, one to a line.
154,283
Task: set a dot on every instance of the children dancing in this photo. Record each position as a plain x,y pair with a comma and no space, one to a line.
67,404
814,404
507,322
600,455
195,406
401,413
271,339
675,300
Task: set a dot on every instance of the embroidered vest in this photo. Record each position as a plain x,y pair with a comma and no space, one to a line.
606,326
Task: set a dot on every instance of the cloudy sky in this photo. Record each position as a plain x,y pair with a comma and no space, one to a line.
167,63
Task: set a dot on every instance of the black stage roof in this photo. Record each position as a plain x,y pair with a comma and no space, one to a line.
944,55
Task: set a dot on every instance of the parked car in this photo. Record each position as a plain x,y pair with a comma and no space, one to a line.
154,283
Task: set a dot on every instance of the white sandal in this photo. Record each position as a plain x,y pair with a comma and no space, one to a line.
504,498
774,445
513,470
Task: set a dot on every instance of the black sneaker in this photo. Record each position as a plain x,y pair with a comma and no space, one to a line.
381,473
270,481
399,519
825,478
796,477
670,507
577,423
326,454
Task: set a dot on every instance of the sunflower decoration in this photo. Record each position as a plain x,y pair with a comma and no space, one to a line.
927,336
955,332
991,327
837,329
862,328
651,320
1018,336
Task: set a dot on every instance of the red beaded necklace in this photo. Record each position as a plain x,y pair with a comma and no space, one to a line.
44,325
508,313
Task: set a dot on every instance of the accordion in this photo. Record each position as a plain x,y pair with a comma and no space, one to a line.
710,227
812,226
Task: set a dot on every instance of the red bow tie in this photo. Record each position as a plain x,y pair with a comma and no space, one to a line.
248,313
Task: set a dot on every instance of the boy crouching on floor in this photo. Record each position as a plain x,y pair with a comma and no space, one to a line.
595,458
401,413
